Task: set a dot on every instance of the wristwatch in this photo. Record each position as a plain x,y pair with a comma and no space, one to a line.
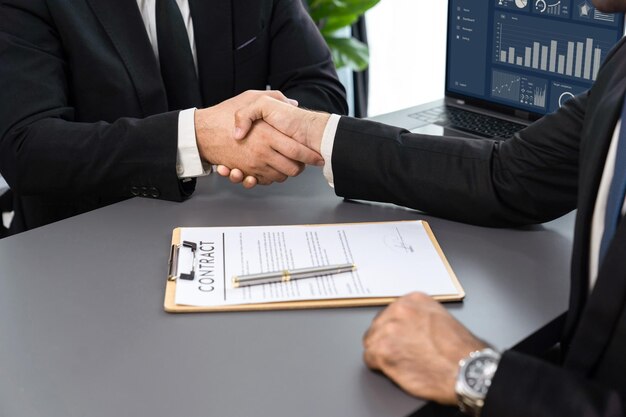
474,379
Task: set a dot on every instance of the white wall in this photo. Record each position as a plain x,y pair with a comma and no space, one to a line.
407,53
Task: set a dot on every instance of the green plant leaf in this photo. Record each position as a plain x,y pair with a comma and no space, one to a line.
322,9
319,9
332,24
332,15
348,52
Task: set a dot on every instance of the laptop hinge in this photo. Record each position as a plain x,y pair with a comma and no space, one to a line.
522,114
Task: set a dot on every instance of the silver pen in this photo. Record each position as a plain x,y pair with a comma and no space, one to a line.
288,275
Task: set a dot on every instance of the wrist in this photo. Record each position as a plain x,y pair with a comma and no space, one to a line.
476,371
204,132
316,124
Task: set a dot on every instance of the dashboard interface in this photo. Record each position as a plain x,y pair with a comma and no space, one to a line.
529,54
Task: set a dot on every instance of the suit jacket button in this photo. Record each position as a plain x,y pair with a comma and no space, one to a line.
154,192
134,191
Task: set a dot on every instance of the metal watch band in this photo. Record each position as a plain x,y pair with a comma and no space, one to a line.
469,401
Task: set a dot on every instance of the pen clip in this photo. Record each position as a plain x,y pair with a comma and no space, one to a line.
173,270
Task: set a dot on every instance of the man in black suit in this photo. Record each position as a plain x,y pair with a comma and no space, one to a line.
98,97
573,159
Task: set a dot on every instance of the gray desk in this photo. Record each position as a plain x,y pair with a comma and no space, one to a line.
83,332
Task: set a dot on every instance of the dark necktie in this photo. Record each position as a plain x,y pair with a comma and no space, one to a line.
617,191
177,67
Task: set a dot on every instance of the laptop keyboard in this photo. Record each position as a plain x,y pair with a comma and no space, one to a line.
468,121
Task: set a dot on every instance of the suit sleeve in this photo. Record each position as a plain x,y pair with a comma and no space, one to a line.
44,151
301,65
526,386
531,178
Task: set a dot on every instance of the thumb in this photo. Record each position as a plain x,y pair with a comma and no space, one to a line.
257,110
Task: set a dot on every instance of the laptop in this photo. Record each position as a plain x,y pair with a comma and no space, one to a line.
509,62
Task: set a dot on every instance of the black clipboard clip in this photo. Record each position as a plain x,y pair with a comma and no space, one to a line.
174,262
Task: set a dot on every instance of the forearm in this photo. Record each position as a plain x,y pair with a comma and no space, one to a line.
468,180
108,158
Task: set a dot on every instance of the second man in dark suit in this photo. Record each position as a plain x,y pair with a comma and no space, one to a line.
572,159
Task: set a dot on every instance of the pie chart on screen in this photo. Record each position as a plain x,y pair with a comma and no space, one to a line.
521,3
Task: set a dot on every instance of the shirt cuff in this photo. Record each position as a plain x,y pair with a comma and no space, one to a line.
188,162
326,148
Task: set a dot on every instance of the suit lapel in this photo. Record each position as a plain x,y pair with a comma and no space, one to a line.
604,107
213,32
603,308
591,318
122,22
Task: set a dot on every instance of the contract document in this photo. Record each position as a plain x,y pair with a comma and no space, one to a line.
391,259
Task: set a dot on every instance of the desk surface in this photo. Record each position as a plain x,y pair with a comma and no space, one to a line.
83,332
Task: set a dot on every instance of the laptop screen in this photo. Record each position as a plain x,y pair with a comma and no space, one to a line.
529,55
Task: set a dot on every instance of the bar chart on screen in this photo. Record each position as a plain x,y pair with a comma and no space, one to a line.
527,43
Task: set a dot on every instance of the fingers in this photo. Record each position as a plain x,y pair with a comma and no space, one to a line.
290,155
264,108
269,176
249,182
284,166
369,357
266,155
259,100
236,176
277,95
370,338
371,360
224,171
273,156
296,151
385,321
252,95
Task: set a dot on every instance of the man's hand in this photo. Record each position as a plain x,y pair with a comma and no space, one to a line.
265,153
418,344
306,127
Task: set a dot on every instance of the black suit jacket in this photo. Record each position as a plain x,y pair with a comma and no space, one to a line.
83,111
548,169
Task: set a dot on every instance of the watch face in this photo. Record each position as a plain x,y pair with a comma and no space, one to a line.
479,373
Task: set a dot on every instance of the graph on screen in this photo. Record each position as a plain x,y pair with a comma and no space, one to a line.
529,44
551,7
530,91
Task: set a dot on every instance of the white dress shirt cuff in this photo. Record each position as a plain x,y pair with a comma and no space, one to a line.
326,148
188,162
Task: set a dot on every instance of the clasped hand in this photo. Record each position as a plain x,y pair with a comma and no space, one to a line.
259,137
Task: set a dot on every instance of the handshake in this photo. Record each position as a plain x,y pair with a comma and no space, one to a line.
259,137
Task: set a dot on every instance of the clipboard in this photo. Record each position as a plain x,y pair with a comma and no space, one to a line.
177,272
